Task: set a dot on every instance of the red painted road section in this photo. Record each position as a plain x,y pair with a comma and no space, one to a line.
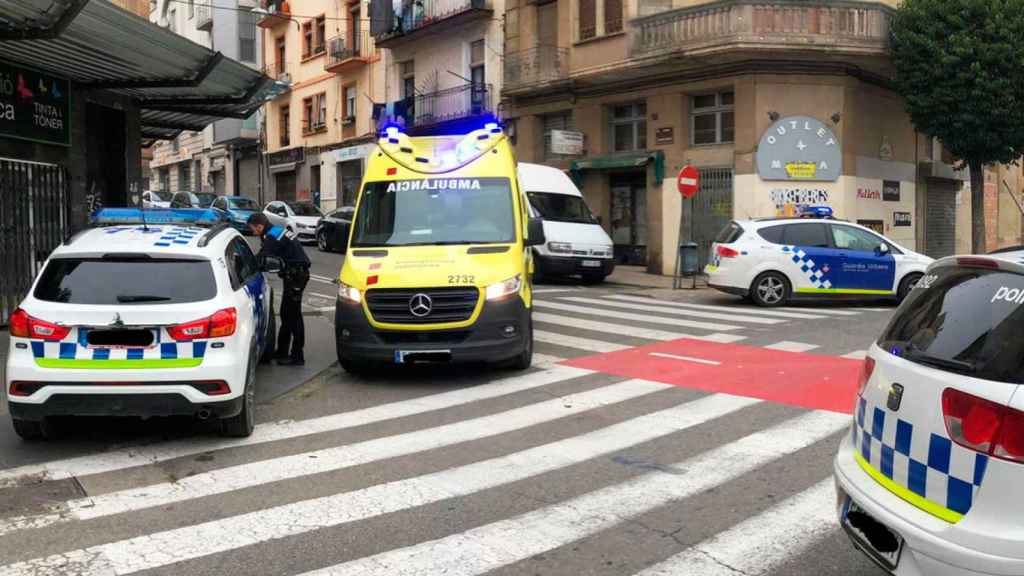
796,378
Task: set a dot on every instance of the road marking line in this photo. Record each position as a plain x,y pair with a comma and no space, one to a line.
323,280
827,312
637,317
545,360
555,290
789,346
132,456
727,309
762,543
686,358
261,472
734,316
588,344
501,543
189,542
325,296
856,355
319,277
624,330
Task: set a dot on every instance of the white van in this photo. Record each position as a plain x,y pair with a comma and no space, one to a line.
576,244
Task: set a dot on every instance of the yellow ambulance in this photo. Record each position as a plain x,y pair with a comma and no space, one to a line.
438,263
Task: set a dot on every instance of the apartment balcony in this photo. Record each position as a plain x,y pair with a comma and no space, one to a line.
313,126
846,28
204,17
345,55
275,15
537,67
425,17
279,71
449,106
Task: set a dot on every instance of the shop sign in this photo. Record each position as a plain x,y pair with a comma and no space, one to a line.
665,135
567,142
891,191
868,194
295,155
876,225
901,218
789,201
34,106
799,148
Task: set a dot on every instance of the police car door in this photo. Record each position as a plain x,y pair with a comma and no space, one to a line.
864,268
251,292
808,257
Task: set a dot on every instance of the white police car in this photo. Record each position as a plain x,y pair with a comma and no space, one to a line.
775,260
929,478
148,313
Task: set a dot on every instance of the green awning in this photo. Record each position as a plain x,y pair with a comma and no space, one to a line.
620,161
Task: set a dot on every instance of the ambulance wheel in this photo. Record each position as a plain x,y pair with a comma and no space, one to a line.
270,336
770,289
906,285
242,424
32,430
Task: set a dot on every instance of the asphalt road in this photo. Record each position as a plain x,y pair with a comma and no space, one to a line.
651,437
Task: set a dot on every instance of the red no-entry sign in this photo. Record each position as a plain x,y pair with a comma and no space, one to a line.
688,181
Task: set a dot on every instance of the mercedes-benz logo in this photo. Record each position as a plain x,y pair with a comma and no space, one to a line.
420,305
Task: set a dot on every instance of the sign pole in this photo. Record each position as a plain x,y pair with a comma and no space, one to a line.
693,277
688,182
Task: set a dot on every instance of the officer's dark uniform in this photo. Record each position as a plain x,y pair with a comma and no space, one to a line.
280,243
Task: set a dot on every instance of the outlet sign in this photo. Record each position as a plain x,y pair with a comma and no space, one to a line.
799,148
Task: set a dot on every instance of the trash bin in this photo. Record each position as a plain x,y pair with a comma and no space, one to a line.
687,264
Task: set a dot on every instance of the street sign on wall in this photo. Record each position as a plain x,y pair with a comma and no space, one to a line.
688,181
34,106
799,148
568,142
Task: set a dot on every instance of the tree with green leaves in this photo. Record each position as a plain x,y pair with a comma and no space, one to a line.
960,69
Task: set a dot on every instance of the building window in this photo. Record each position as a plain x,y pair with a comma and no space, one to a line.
282,126
712,120
588,19
629,127
184,176
281,56
319,43
476,74
350,103
355,42
313,37
612,16
557,121
246,36
314,113
165,179
407,70
307,39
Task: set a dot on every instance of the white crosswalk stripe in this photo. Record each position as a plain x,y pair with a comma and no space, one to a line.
617,314
576,342
789,346
743,309
856,355
728,316
570,322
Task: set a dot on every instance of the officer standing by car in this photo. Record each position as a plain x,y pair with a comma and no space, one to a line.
280,243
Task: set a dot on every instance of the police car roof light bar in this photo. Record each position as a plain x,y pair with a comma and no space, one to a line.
816,212
150,216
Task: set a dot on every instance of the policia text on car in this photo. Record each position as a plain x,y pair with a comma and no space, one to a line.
280,243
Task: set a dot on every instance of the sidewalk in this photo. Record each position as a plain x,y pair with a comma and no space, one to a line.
638,277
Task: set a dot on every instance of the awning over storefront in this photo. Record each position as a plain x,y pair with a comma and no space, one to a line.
618,162
178,84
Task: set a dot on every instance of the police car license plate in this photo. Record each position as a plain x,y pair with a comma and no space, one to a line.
875,538
591,264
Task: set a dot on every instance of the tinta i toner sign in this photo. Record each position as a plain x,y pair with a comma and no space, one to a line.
34,106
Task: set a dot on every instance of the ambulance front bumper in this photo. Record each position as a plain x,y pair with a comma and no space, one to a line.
933,547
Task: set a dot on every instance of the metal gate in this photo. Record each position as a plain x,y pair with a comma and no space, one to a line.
940,224
712,209
33,221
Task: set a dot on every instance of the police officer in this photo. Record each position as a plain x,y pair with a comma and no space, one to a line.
281,243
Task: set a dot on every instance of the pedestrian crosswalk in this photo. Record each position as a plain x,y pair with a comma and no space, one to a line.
476,479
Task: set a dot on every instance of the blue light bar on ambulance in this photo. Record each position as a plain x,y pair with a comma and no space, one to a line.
183,216
816,212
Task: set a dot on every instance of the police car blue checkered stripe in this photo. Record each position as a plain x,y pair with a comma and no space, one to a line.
808,267
927,464
76,351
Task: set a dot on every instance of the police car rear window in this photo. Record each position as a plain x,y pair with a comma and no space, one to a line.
963,320
772,234
729,234
126,281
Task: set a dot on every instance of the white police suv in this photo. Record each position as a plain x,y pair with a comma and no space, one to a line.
929,478
775,260
148,313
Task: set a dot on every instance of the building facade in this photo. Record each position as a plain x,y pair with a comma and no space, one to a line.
779,104
223,158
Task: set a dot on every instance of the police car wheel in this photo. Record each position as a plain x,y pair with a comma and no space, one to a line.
242,424
32,430
906,285
770,289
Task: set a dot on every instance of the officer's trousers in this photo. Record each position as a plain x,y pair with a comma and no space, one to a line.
292,336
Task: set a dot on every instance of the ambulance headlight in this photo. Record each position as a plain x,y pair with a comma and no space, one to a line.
560,247
505,288
349,293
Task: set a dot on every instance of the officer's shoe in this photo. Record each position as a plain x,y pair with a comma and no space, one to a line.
292,361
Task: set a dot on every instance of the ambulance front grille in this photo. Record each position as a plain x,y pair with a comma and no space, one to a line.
392,305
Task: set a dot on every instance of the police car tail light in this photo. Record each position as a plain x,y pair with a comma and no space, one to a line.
866,370
220,324
223,322
24,326
726,252
983,425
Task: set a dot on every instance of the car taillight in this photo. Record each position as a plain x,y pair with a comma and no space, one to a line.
220,324
726,252
983,425
975,262
24,326
865,374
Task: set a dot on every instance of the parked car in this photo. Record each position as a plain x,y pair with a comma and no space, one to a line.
299,217
332,231
205,199
185,200
576,244
156,199
239,208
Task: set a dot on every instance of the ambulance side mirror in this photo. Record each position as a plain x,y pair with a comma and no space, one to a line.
535,232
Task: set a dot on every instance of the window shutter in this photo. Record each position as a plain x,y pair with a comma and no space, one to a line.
612,16
588,19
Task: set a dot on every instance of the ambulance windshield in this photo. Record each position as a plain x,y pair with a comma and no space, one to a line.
435,211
